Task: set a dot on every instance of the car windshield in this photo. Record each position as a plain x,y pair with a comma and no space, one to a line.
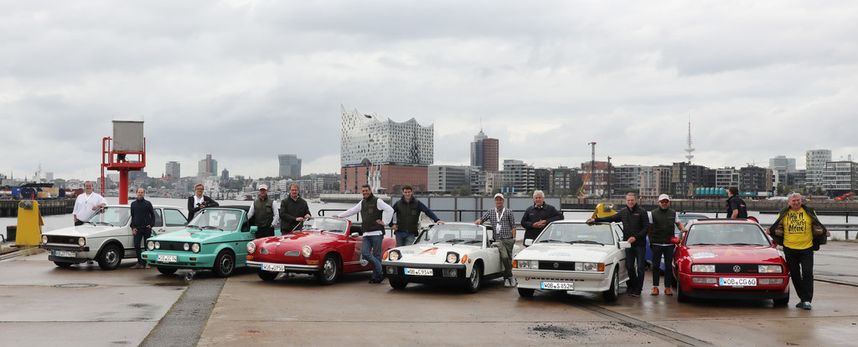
216,219
452,233
726,234
326,223
597,234
112,215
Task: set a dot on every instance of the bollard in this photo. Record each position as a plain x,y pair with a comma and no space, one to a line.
11,233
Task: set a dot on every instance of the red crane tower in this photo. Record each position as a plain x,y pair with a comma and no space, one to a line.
124,152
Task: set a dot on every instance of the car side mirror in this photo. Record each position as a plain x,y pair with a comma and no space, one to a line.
354,234
625,245
253,229
674,240
528,242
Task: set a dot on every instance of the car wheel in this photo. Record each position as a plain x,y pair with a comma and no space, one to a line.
680,294
397,283
782,302
167,270
267,276
475,280
110,257
613,292
330,270
526,292
63,264
224,264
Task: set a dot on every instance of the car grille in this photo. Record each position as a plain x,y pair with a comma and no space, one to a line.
172,246
63,239
557,265
731,268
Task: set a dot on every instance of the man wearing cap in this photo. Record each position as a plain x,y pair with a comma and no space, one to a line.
86,204
503,222
635,224
660,235
537,216
374,215
263,214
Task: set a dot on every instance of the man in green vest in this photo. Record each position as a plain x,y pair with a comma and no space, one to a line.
661,230
407,217
374,215
263,214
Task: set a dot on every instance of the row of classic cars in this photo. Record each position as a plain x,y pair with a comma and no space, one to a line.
714,259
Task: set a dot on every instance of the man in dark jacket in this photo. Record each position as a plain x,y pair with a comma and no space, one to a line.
660,234
800,233
406,217
635,223
293,210
736,207
142,218
537,216
199,201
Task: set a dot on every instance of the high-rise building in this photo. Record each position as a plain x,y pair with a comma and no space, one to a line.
542,179
840,177
654,181
685,177
518,177
484,152
172,170
726,177
816,159
380,141
290,166
207,167
449,178
626,178
599,176
564,181
755,179
224,175
782,163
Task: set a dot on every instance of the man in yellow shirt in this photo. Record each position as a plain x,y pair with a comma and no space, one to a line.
800,232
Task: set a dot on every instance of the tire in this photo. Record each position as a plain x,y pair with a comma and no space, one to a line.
267,276
331,270
680,295
224,264
110,257
525,292
62,264
474,282
782,302
397,283
613,292
167,270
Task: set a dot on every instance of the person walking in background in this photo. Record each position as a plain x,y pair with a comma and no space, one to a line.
503,222
262,213
374,215
87,204
199,201
406,217
660,234
537,216
142,219
293,210
635,224
736,207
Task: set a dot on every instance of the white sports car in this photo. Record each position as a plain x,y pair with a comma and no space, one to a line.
451,252
573,256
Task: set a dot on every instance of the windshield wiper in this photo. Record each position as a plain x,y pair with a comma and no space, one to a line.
589,242
209,227
102,223
453,241
474,241
550,241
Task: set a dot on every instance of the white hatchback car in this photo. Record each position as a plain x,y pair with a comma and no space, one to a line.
573,256
450,252
106,237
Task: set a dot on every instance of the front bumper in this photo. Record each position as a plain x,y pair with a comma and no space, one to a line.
581,281
715,291
286,267
440,272
184,260
68,253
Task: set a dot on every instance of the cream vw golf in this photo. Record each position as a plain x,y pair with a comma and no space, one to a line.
452,252
106,237
573,256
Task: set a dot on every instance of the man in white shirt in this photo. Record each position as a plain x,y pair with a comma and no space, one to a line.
87,204
374,215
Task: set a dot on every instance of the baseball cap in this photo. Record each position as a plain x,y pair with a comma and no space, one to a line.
263,186
499,195
664,197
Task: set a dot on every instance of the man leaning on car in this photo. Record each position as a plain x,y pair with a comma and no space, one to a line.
538,216
503,223
635,223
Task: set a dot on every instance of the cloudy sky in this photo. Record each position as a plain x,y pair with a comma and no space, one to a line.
246,80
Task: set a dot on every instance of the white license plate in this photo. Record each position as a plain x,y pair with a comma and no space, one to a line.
737,282
557,285
168,259
273,267
65,254
419,272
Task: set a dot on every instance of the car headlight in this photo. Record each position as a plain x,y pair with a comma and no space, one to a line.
589,267
769,269
306,251
81,241
150,245
44,239
452,257
186,246
703,268
195,248
526,264
251,247
157,245
394,255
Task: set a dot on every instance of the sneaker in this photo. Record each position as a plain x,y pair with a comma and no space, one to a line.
799,304
668,291
654,291
513,282
806,306
507,282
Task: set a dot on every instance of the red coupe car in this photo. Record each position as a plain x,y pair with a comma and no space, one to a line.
729,259
325,247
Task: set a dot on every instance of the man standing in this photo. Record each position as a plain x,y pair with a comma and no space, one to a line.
735,205
374,215
660,232
262,213
293,210
503,223
199,201
86,204
406,214
142,218
800,233
536,217
635,223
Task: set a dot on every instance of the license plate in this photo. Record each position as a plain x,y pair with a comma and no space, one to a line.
167,259
557,285
419,272
65,254
273,267
737,282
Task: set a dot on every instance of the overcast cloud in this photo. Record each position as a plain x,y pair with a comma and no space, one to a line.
247,80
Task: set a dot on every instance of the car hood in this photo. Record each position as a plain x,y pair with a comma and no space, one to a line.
192,235
85,230
297,239
733,254
433,254
567,252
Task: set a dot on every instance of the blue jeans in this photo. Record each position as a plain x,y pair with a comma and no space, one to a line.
371,251
635,256
657,253
404,238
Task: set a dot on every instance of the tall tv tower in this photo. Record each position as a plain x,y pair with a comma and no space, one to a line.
690,148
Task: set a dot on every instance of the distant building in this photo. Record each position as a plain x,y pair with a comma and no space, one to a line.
484,152
755,179
290,166
49,176
726,177
224,175
599,176
207,167
172,170
626,178
840,177
564,181
383,178
518,177
782,163
816,160
449,178
685,177
542,179
382,141
654,181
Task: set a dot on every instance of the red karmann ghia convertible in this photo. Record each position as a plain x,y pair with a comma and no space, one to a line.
729,259
325,247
